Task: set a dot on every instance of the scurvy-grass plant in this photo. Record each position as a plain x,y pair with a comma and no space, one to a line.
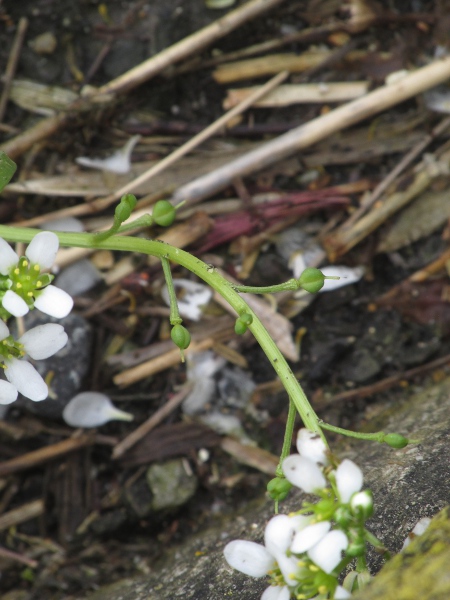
304,552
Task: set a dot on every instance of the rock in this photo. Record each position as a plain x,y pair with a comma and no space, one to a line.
408,484
171,484
69,366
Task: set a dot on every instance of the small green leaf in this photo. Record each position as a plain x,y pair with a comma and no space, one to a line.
7,170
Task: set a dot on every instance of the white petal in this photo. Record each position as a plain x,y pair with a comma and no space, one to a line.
327,553
119,162
249,558
8,258
312,446
310,536
26,379
194,297
279,534
54,302
341,593
4,331
8,392
347,276
92,409
304,473
14,304
275,592
42,249
349,479
44,340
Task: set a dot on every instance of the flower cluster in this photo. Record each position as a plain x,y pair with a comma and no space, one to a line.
23,286
304,552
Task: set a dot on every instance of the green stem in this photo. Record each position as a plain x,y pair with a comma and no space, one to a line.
374,437
175,318
290,285
209,276
288,433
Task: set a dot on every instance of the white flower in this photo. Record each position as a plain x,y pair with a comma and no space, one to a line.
303,473
39,343
312,446
257,560
349,480
326,554
341,593
27,286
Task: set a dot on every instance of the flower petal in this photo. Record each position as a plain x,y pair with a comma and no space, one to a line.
310,536
42,249
44,340
341,593
4,331
8,258
92,409
327,553
249,558
54,302
304,473
349,479
14,304
26,379
276,592
8,392
279,533
312,446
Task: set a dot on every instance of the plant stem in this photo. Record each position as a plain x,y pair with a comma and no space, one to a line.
175,318
209,276
374,437
287,442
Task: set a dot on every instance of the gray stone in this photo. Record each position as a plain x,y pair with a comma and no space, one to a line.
408,484
69,366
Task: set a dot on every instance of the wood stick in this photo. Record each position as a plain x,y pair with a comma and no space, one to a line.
21,514
151,423
188,46
12,64
316,130
141,73
303,93
36,457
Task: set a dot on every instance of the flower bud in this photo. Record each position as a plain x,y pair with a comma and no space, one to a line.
278,488
362,504
240,327
163,213
311,280
395,440
180,336
125,207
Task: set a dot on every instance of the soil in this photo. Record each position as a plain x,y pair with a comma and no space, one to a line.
94,528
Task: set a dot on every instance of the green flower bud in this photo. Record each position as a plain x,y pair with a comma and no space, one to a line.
343,516
180,336
125,207
278,488
240,327
361,504
311,280
395,440
356,548
163,213
247,318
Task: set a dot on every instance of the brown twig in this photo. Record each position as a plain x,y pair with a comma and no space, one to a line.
315,131
151,423
12,64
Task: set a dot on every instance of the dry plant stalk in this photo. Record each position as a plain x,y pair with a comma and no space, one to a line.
316,130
